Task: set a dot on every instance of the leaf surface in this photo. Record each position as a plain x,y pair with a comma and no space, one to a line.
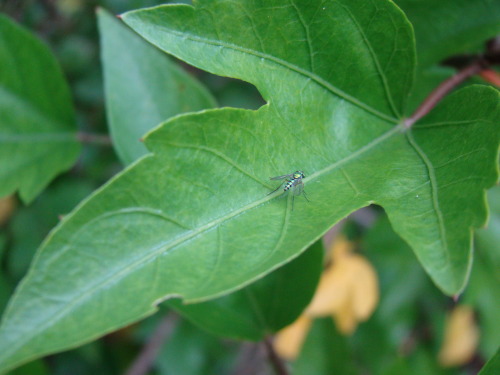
143,87
194,218
37,124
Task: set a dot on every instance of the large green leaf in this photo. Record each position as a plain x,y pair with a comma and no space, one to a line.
37,125
193,218
143,87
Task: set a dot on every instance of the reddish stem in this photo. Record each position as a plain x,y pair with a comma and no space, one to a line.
489,75
444,88
144,361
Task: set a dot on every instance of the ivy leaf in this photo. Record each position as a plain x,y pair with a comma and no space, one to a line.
37,123
194,218
143,87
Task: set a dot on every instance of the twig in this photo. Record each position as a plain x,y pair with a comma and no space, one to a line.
144,361
276,361
435,96
98,139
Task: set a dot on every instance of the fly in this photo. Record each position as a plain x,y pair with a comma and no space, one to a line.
292,182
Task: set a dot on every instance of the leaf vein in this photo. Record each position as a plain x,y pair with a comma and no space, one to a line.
317,79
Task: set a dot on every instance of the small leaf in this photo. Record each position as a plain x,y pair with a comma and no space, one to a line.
37,124
460,339
143,87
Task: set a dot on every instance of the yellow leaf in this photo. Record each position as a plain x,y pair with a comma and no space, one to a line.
289,340
348,289
7,206
461,337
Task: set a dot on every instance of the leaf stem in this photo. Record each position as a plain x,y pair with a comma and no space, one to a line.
276,361
444,88
97,139
144,361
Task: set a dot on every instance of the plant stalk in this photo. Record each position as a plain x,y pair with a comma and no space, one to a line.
277,363
444,88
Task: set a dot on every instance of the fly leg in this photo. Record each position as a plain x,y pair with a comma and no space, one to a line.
305,196
280,185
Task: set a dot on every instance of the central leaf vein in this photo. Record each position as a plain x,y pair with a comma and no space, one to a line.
171,244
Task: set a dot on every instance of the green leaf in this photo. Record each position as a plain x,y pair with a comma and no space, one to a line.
37,124
40,217
263,307
194,352
493,365
192,36
143,87
325,351
448,27
482,292
194,219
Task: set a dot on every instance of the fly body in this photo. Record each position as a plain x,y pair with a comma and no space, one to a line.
292,182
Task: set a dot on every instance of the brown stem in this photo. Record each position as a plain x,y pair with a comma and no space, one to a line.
144,361
439,92
98,139
276,361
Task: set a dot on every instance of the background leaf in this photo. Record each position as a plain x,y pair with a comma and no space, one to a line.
37,125
325,352
190,351
143,87
449,27
483,292
493,365
263,307
193,218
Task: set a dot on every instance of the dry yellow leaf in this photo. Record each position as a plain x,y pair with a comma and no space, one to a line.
7,206
289,340
348,289
461,337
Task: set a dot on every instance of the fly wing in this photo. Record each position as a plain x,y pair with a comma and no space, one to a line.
281,177
298,187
